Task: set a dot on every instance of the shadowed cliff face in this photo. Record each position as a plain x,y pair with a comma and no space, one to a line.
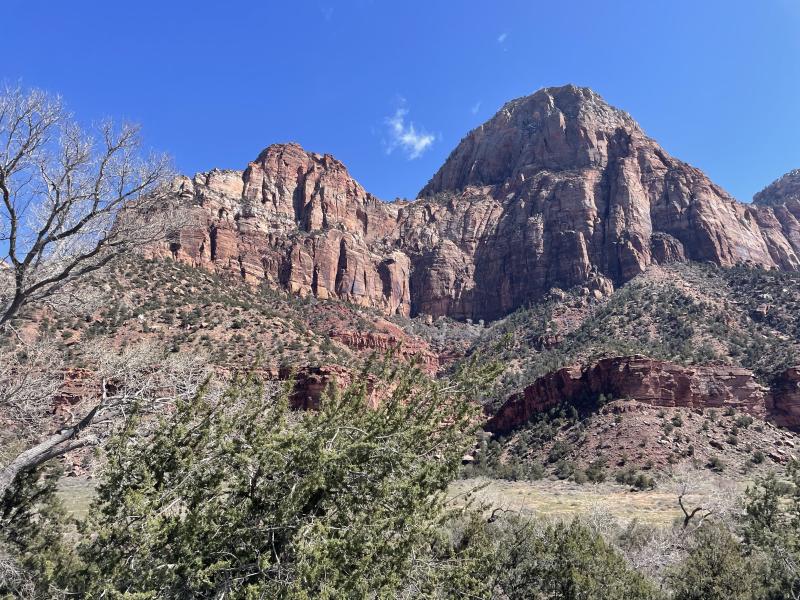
558,189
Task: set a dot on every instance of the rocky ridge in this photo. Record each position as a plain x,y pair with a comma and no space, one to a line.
637,444
656,383
558,189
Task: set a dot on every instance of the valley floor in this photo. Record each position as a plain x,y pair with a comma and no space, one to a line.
565,499
76,493
545,498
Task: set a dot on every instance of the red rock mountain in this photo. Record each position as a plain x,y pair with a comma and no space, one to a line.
558,189
782,197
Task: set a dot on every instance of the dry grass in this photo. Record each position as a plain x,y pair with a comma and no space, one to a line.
545,498
76,493
563,499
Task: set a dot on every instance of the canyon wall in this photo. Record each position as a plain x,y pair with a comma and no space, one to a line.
558,189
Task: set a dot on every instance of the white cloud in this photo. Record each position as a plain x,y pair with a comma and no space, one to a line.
405,136
327,12
502,37
475,108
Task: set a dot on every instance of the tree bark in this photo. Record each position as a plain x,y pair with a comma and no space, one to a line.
55,445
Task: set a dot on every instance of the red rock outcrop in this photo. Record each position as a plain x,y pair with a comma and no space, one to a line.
785,409
653,382
390,338
558,189
310,383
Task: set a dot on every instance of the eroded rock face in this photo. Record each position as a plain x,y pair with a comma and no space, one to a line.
558,189
390,338
653,382
785,409
583,191
310,383
297,220
778,209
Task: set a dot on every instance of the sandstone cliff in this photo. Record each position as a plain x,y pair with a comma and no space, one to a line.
297,220
657,383
558,189
785,408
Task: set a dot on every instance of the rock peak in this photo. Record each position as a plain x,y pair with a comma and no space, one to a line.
556,128
784,189
565,96
294,151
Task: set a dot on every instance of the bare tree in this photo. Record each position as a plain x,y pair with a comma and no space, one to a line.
29,375
140,375
14,578
700,511
701,497
71,202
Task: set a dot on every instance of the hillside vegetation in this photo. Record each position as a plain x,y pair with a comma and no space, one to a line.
684,313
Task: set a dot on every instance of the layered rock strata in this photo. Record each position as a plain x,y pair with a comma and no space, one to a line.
657,383
558,189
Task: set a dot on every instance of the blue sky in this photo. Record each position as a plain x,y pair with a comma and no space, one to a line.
390,88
